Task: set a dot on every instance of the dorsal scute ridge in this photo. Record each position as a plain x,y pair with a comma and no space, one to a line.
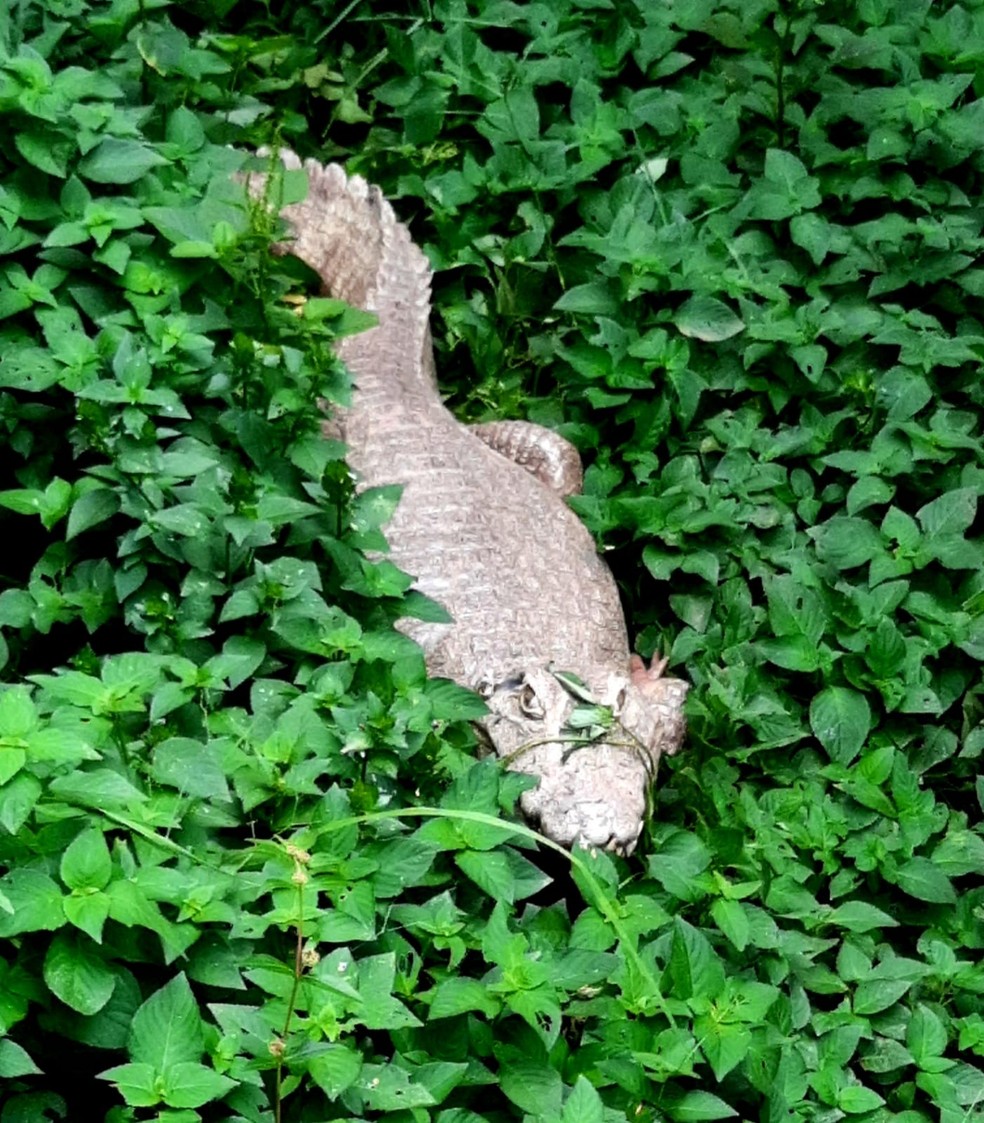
346,221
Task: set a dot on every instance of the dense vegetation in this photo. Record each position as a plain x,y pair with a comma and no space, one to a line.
250,869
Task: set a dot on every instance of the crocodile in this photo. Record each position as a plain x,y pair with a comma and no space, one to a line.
483,527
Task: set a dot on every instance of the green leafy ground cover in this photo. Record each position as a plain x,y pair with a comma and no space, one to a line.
250,871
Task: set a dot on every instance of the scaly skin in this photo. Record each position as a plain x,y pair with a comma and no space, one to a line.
482,535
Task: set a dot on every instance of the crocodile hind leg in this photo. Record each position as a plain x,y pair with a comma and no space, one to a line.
556,463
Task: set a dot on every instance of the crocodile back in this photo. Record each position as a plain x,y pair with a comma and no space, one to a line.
503,553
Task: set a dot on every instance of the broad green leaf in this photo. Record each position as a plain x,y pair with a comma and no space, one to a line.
87,864
591,932
89,912
871,997
923,879
115,160
452,702
388,1088
18,716
788,898
841,720
279,509
869,491
184,130
16,607
789,171
812,233
731,918
380,1009
749,1001
855,1099
853,964
592,298
811,359
532,1085
403,862
77,974
967,1082
925,1037
950,514
373,508
16,1061
334,1069
887,649
577,968
860,916
440,1078
91,509
876,765
724,1044
136,1083
188,1084
458,996
99,788
678,862
886,143
243,602
539,1007
240,658
695,1107
73,687
29,902
167,1029
708,319
846,541
184,518
886,1056
793,653
904,392
193,768
503,874
45,149
693,968
961,852
786,188
12,760
868,795
335,927
18,798
583,1104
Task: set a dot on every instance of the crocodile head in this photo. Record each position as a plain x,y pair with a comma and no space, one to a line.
595,754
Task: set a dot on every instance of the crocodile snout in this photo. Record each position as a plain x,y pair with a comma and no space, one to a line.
594,796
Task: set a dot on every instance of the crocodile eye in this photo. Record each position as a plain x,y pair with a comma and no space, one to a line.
529,703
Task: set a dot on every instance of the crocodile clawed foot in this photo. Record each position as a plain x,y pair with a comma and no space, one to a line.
622,847
644,676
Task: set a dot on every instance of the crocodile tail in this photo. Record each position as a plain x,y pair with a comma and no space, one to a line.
348,233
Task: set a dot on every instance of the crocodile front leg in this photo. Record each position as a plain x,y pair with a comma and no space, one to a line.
556,463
